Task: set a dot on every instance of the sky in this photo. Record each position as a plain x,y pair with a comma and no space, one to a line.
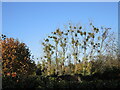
31,22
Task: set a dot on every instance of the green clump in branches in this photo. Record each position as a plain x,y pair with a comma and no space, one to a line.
82,45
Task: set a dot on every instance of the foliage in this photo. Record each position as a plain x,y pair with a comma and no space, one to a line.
16,58
44,83
73,58
79,45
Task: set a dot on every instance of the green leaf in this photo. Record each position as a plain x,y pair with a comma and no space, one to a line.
47,40
73,41
84,33
80,27
81,33
92,43
99,38
75,34
74,27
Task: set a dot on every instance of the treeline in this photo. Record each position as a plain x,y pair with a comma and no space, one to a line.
78,50
74,57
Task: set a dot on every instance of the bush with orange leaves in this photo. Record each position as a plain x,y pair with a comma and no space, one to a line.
16,58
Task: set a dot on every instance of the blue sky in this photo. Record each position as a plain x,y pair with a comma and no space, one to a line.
31,22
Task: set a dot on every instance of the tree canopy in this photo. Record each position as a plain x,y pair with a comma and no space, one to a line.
16,58
78,45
